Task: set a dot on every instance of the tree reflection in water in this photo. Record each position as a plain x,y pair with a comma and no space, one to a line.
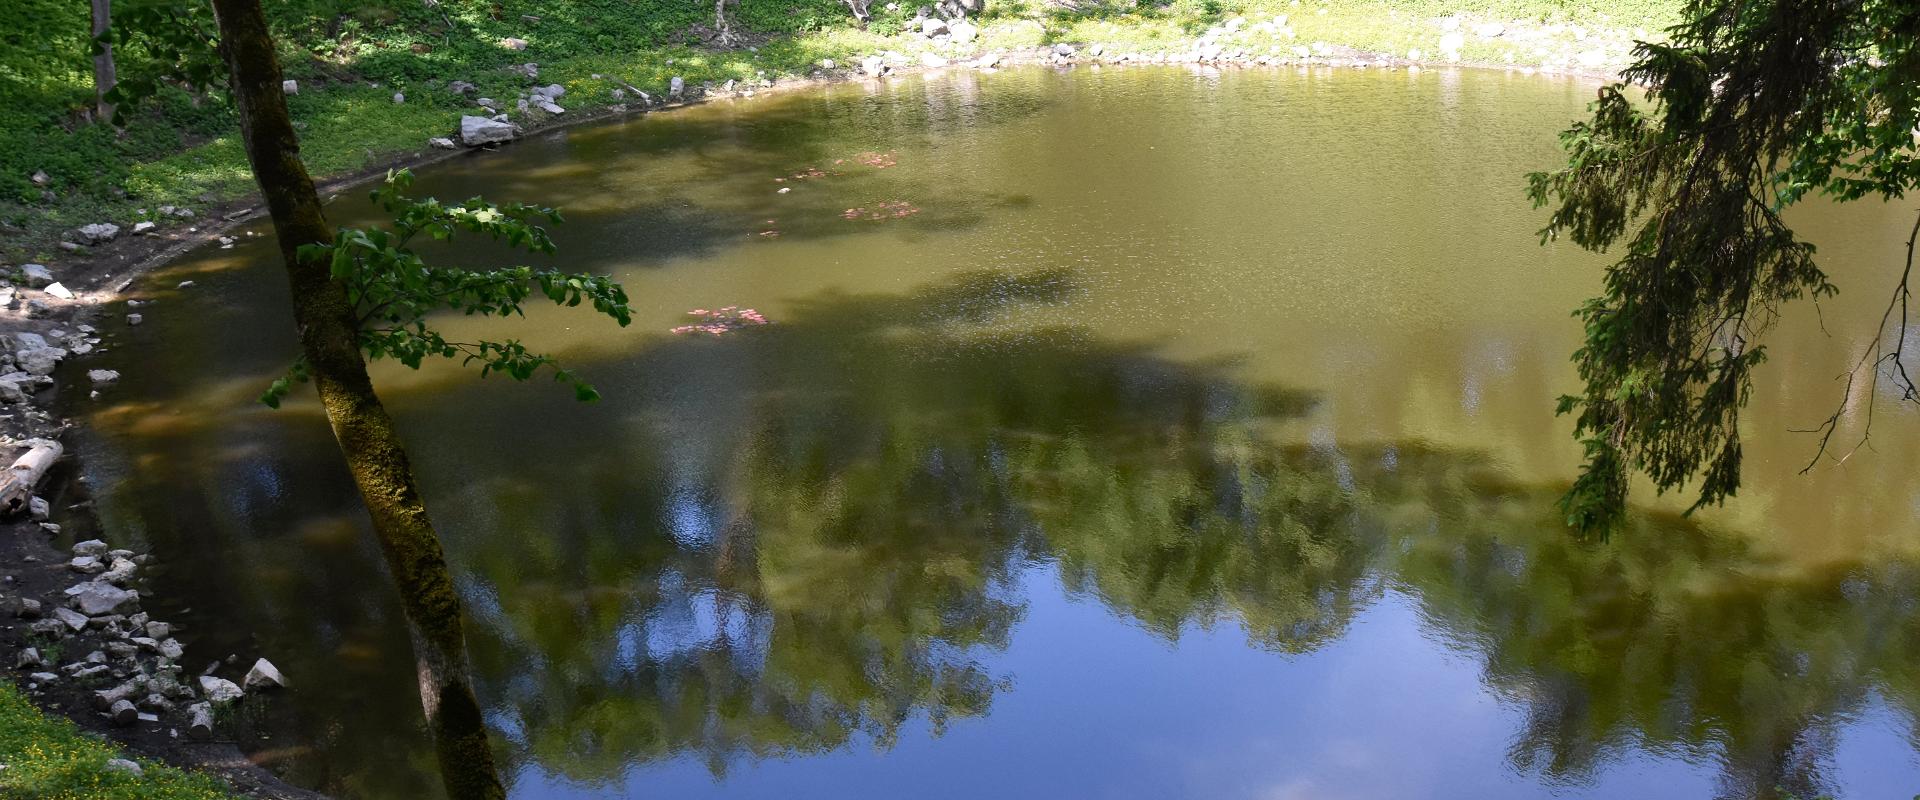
803,536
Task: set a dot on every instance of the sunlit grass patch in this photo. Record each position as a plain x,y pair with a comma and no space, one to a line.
42,758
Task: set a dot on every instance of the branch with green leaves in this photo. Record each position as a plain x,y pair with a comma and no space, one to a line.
395,293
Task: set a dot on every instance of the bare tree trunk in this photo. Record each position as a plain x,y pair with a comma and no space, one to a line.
720,21
859,9
329,339
104,74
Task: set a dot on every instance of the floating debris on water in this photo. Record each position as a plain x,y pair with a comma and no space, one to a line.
805,174
892,209
721,321
875,160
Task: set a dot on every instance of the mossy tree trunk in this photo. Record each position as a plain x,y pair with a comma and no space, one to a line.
329,338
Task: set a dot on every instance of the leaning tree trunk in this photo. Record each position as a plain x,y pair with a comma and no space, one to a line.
104,74
329,339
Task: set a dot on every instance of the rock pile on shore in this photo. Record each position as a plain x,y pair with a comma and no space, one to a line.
1272,40
130,666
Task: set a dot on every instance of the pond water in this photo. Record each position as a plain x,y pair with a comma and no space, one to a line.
1152,433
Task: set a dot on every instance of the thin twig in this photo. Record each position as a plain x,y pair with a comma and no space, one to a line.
1877,354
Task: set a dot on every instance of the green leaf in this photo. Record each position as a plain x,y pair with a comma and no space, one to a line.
396,293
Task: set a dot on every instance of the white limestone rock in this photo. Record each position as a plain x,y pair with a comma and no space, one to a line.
219,691
477,131
264,675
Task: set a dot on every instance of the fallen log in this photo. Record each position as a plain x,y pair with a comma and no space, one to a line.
16,487
123,713
201,724
646,100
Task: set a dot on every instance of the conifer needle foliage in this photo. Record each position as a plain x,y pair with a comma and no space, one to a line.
1749,107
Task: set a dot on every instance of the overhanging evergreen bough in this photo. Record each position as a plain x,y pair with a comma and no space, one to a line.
1753,105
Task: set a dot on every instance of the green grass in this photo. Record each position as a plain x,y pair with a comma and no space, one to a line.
1393,27
50,759
350,56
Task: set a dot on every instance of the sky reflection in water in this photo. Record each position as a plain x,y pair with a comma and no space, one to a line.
1191,439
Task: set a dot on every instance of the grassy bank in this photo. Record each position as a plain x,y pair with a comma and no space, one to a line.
352,57
50,759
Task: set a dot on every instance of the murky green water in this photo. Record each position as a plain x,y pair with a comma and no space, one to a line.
1192,439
